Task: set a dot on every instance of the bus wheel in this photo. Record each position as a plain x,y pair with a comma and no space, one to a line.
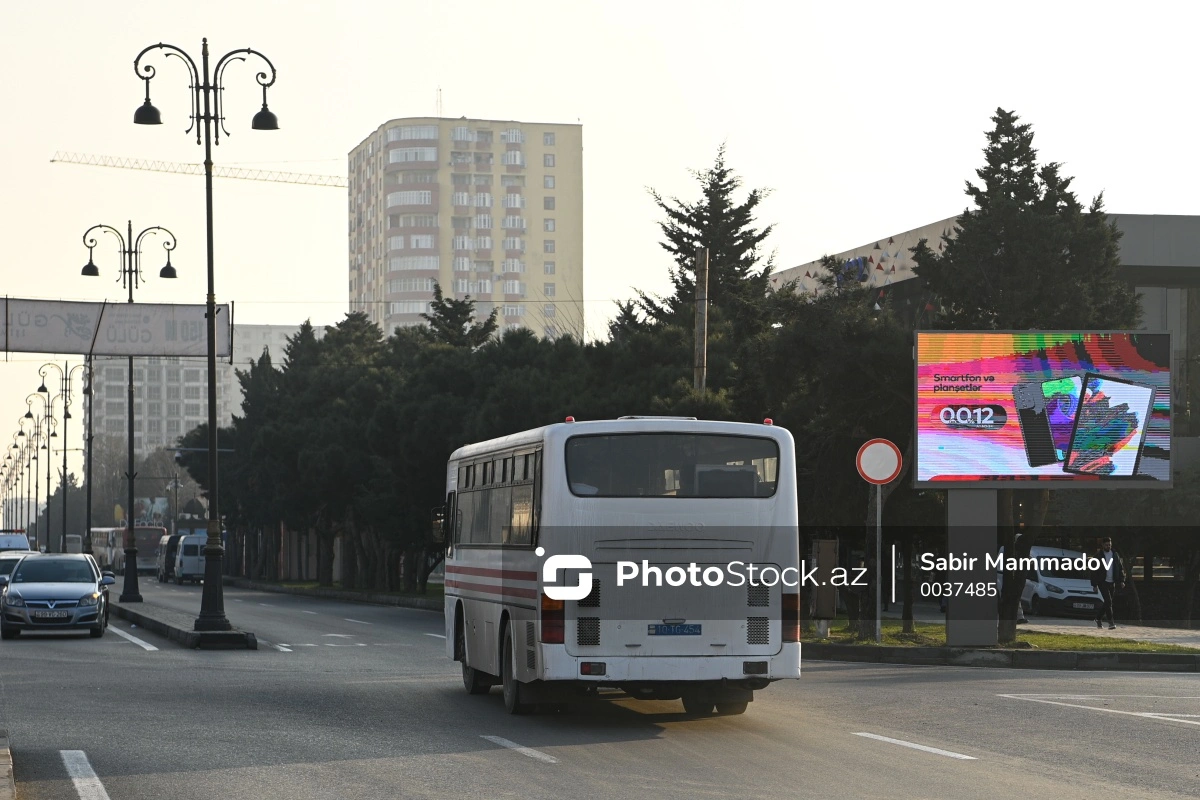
731,709
474,681
512,687
697,705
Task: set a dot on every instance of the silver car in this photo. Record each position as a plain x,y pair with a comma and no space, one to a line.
55,592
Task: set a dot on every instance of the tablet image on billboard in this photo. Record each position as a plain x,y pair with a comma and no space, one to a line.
1109,427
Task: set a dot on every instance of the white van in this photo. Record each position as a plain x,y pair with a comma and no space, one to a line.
1059,592
74,543
189,559
14,541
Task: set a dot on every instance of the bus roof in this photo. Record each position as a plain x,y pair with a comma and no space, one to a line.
562,430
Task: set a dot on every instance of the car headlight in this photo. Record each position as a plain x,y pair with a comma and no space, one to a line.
1050,587
90,599
14,600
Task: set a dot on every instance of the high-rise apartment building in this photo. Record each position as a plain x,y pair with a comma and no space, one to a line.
489,209
170,394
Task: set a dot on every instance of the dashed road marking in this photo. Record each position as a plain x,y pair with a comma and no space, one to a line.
87,783
359,621
437,635
135,640
302,611
283,648
1155,715
522,749
922,747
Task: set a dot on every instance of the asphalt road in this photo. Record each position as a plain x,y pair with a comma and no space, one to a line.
353,702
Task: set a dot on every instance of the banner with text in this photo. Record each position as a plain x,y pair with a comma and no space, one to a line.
1062,408
111,329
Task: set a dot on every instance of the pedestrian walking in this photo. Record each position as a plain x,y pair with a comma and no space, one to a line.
1109,575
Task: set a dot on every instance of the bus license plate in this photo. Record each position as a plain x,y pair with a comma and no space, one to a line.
673,630
51,614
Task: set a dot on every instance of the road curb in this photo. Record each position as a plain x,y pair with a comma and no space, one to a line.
8,787
178,628
1004,658
421,603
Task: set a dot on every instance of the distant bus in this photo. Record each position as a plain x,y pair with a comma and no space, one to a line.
108,547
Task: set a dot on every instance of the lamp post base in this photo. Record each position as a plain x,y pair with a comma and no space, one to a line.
212,601
130,593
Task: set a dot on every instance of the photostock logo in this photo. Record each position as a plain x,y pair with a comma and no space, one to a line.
550,569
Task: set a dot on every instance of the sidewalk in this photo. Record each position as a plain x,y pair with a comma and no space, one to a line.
928,612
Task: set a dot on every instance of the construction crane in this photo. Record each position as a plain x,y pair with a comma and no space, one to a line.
179,168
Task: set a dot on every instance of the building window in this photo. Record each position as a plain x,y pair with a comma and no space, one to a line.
410,285
191,409
172,375
462,134
548,204
404,132
483,160
548,160
172,392
461,198
462,264
422,241
173,425
417,176
512,180
548,182
193,392
459,179
413,262
513,200
514,158
549,310
514,311
514,265
548,139
409,307
416,221
463,243
548,289
460,157
404,155
514,223
460,286
191,375
483,266
483,137
483,222
514,243
548,246
483,243
172,409
114,425
395,243
514,287
114,374
154,409
483,200
410,198
548,225
548,268
512,136
114,391
460,223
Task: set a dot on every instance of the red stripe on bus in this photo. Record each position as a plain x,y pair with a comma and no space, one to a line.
483,587
506,574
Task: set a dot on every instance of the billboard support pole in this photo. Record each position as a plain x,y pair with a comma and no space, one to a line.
878,560
971,620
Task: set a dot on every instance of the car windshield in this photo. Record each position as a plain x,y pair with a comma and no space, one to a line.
7,564
46,570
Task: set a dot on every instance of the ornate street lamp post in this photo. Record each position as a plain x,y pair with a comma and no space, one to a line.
206,90
64,375
131,276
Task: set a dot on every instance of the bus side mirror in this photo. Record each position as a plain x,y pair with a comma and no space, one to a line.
438,524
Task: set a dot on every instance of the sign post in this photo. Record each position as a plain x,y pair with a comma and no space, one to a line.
879,462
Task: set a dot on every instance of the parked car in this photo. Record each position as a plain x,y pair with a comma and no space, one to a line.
189,559
13,541
60,591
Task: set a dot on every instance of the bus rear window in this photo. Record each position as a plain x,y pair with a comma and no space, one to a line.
672,465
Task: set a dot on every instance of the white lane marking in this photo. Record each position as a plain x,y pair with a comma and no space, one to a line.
1143,714
437,635
359,621
268,605
237,600
134,639
352,644
283,648
522,749
87,783
302,611
306,645
923,747
339,635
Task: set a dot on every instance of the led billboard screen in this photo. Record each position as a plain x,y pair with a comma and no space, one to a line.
1046,407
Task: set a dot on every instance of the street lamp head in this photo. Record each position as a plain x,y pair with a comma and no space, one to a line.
28,415
90,270
168,271
147,114
265,119
43,388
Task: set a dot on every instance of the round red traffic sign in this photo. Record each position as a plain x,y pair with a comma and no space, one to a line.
879,461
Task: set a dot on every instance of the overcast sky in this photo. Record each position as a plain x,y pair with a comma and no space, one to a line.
865,119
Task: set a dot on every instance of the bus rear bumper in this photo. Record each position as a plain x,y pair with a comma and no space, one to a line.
752,671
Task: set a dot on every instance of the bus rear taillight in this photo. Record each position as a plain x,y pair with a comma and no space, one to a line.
791,617
553,620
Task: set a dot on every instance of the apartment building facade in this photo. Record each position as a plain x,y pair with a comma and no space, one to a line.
170,394
487,209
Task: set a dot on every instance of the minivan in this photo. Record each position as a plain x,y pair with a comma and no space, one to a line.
168,546
1057,592
189,560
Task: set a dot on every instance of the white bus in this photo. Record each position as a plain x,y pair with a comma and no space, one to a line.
689,530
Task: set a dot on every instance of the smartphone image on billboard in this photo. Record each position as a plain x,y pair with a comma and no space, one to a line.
1110,426
1062,402
1035,424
